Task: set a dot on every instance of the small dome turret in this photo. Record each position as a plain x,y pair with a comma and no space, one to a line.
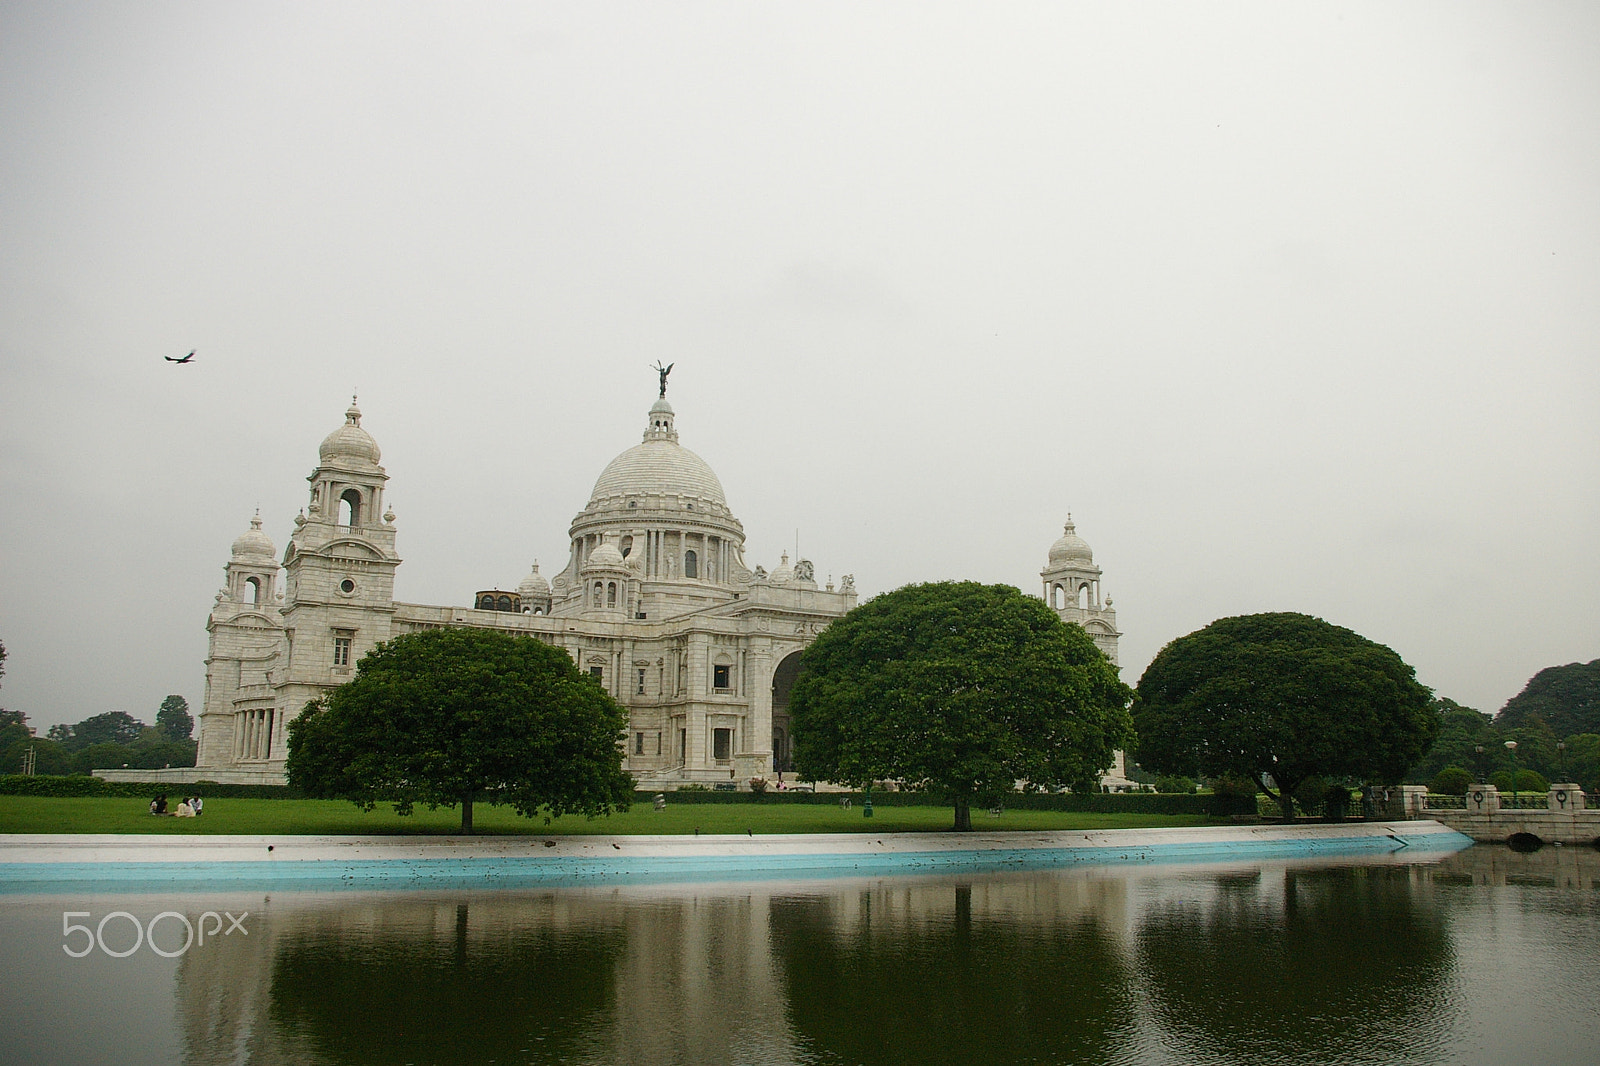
605,557
350,441
254,544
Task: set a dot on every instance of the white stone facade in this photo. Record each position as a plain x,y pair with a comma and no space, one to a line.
656,601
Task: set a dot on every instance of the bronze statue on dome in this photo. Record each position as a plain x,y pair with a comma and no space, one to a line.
663,371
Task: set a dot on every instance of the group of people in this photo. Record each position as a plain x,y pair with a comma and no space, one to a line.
188,807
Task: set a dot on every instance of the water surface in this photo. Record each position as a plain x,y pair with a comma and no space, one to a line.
1484,957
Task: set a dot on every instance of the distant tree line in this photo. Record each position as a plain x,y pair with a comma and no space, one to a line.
101,742
1559,706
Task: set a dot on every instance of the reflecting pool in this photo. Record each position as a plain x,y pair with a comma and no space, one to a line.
1483,957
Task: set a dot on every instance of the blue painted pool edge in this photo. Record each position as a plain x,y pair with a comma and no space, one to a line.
729,861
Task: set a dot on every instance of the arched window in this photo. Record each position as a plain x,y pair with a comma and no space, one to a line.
254,595
486,603
691,564
503,603
350,508
599,593
1083,596
611,594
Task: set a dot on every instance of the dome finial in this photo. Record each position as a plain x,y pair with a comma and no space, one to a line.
663,371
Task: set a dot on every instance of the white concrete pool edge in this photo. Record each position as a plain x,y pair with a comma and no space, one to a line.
121,849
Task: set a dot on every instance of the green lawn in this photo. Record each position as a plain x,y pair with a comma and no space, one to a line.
42,814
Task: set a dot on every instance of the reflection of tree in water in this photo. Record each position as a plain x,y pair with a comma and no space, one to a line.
951,987
1347,966
420,995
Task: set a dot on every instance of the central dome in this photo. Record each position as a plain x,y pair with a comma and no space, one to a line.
658,467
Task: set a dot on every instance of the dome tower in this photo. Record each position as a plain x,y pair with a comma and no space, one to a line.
253,567
661,509
1072,588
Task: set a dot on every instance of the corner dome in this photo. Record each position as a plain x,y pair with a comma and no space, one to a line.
350,441
534,584
254,544
1071,548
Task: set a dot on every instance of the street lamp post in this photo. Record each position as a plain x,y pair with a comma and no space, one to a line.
1513,746
1483,767
1561,754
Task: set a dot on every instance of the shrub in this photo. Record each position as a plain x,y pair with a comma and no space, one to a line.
1336,802
1233,785
1527,781
1451,781
1175,784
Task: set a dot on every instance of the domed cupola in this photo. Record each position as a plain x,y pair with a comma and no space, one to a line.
350,442
1071,548
783,575
253,569
535,593
254,545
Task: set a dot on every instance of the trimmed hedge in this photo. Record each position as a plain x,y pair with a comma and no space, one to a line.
84,785
1094,802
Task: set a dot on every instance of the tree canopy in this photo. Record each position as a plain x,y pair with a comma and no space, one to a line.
452,716
958,688
1282,697
1566,697
174,719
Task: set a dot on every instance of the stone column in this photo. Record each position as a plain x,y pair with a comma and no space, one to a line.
1483,799
759,678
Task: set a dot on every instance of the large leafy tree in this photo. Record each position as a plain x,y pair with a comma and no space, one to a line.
1566,697
1279,698
958,688
455,716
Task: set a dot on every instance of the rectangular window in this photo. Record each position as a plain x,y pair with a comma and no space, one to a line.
638,743
341,650
598,673
722,744
719,678
658,743
641,683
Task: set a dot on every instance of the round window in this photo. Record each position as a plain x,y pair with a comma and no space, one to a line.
347,586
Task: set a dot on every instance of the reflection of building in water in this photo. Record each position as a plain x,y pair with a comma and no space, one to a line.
644,974
655,601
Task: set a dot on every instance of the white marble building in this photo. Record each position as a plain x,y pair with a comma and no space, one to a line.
656,601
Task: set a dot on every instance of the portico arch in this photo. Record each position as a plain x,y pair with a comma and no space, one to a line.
782,683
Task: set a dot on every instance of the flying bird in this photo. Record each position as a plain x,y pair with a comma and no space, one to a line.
175,359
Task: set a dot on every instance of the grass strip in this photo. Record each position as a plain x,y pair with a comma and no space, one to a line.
97,814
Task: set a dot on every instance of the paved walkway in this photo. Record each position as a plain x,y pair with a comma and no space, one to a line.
28,862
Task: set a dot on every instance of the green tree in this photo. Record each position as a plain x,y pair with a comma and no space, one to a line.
1462,730
960,689
174,719
1451,781
452,716
1582,760
1566,697
1279,698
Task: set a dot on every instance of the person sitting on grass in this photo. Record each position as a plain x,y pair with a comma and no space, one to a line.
184,810
197,805
159,805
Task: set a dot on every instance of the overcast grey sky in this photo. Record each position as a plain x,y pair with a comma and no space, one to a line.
1292,306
